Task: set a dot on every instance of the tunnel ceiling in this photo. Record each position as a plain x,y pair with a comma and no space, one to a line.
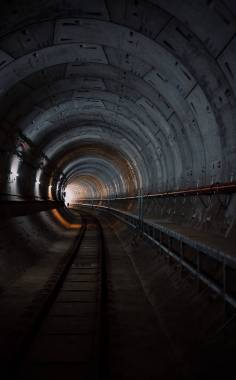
117,96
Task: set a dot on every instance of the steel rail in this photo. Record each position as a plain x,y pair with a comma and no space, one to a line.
45,302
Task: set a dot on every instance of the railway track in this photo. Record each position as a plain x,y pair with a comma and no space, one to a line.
67,337
96,321
109,314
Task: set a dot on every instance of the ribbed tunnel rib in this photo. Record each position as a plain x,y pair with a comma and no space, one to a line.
127,99
156,89
128,106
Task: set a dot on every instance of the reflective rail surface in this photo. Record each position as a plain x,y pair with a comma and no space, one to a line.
210,266
67,322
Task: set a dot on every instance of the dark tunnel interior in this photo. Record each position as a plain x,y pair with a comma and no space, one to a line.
118,137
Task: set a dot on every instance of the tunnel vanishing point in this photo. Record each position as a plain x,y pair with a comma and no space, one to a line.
117,189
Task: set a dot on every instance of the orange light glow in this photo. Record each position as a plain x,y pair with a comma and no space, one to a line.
63,221
50,189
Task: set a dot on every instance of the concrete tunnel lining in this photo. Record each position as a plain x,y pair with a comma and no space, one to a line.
166,67
168,106
128,106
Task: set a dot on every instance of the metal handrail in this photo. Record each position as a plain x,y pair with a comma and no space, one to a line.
215,254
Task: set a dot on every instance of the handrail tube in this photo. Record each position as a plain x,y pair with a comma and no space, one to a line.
229,187
211,252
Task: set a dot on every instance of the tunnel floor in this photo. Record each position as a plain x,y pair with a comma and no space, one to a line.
110,316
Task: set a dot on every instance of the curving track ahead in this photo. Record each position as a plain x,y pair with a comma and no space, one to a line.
98,322
95,321
67,337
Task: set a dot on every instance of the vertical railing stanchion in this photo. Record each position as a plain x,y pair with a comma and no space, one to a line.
198,271
141,209
224,286
181,256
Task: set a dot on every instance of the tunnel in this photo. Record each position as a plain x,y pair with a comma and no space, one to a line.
117,189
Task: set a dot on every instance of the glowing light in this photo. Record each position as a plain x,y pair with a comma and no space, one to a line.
50,190
63,221
37,182
72,193
14,174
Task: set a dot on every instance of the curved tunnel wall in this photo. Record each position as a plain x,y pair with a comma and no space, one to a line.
141,75
118,97
103,101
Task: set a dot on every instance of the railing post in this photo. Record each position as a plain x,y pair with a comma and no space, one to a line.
139,207
140,210
169,248
181,256
198,271
160,241
224,286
